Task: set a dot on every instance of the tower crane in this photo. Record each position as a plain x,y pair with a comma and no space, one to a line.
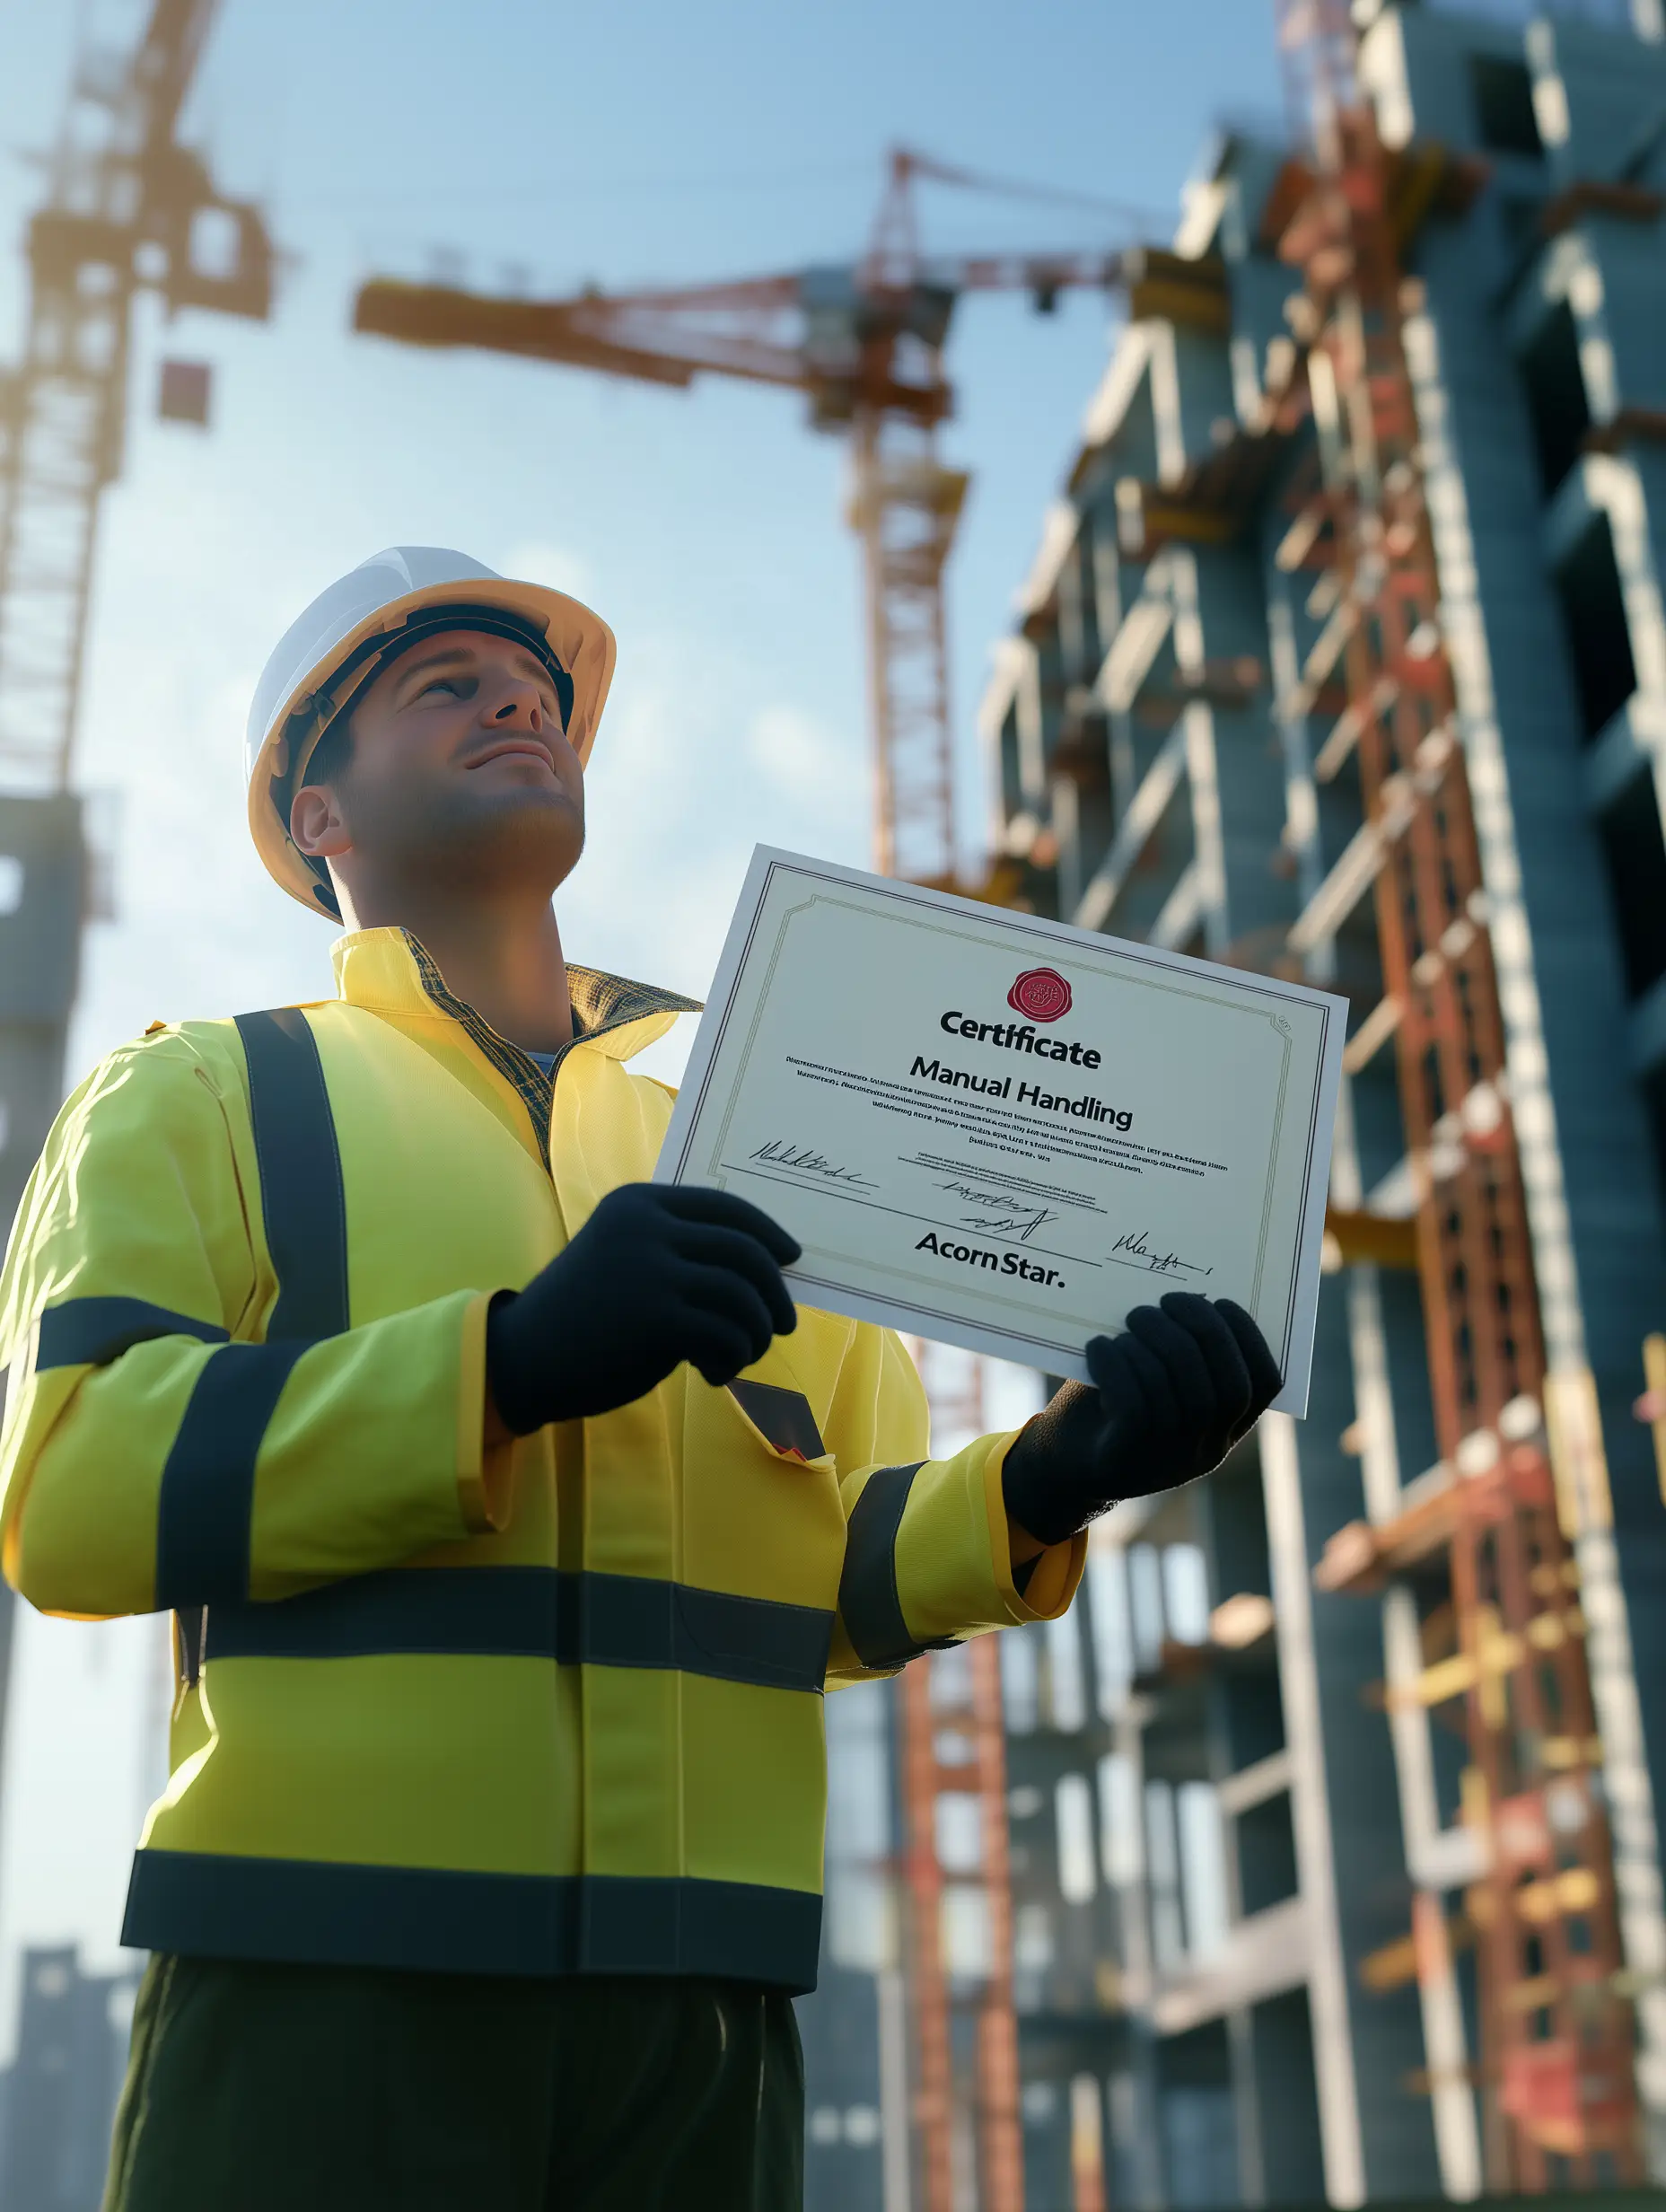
865,343
128,210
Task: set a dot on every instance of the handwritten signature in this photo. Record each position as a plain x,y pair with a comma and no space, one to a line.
1004,1222
1134,1245
805,1160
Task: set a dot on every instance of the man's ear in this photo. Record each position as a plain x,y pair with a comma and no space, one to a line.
316,823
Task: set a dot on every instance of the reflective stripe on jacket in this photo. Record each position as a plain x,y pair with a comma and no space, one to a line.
552,1709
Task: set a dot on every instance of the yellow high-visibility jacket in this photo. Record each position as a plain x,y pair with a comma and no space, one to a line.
552,1709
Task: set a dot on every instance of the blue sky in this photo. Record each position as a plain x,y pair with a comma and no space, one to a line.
643,141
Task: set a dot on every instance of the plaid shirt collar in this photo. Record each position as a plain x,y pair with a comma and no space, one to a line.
390,971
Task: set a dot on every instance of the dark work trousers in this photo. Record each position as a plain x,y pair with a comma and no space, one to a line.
333,2089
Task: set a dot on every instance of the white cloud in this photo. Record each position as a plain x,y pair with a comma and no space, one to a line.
692,768
538,560
802,760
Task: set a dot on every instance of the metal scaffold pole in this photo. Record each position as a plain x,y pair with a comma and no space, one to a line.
932,2103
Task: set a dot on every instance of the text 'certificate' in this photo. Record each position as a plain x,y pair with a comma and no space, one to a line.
1003,1133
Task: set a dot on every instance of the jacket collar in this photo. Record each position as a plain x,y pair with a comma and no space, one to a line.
388,971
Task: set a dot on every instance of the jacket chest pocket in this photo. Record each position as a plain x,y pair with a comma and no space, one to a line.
784,1418
761,1511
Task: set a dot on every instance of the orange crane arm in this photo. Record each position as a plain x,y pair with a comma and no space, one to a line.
832,332
651,338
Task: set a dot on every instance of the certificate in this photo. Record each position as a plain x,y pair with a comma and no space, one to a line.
1005,1133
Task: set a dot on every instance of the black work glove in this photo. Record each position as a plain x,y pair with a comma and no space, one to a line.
658,1274
1175,1394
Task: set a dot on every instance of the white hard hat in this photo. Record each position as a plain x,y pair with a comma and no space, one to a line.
324,660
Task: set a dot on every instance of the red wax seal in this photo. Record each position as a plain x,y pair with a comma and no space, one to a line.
1040,993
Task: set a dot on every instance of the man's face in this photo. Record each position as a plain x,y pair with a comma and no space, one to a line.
459,769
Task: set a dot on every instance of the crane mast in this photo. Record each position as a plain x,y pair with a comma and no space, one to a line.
124,210
904,507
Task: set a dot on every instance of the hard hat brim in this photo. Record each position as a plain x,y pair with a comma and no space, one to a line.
581,641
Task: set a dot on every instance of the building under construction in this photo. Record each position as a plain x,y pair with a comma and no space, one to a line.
1331,1863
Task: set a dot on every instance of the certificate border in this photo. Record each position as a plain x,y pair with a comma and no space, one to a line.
1276,1020
767,861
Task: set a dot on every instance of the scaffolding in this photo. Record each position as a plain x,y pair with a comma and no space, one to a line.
1556,2029
1291,687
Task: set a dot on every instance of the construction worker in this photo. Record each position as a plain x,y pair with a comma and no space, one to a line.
511,1518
